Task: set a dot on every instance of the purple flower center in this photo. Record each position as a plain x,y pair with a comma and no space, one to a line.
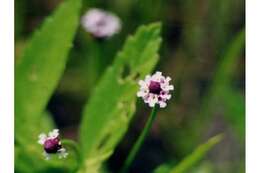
102,22
155,87
52,145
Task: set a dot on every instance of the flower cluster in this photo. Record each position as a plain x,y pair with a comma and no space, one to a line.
155,89
101,24
52,144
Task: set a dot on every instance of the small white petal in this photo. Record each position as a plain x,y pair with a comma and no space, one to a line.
157,76
147,79
140,94
146,99
162,104
158,73
152,100
54,133
47,156
62,153
151,104
168,96
168,79
141,83
170,87
42,138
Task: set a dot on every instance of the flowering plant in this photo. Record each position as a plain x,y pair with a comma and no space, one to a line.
52,144
155,89
111,102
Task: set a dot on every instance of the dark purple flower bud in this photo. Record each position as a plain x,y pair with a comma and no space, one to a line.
155,87
52,146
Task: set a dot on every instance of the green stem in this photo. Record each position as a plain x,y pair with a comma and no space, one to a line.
140,140
72,144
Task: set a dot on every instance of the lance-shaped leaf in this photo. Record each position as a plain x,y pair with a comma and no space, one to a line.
191,160
38,71
37,74
112,105
196,156
221,91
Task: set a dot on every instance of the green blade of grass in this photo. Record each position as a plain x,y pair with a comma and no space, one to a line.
197,155
191,160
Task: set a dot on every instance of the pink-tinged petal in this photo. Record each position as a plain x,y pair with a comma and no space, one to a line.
42,138
168,96
151,104
168,79
143,85
101,23
147,79
162,104
157,76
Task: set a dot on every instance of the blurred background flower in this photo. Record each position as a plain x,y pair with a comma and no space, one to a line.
100,24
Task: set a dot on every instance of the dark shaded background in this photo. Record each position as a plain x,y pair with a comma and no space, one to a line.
196,34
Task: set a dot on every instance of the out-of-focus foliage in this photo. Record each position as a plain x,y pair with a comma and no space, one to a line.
196,156
221,89
37,73
189,161
103,127
39,69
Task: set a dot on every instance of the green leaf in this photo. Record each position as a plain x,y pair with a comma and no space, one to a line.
37,74
204,167
221,91
164,168
190,161
39,69
47,123
233,101
219,96
196,156
112,105
225,70
30,159
229,61
234,104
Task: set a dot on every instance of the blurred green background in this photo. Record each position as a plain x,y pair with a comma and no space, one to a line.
202,50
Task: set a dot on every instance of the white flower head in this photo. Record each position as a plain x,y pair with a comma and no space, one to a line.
52,144
100,23
155,89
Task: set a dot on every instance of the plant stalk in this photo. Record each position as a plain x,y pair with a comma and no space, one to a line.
140,140
72,144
